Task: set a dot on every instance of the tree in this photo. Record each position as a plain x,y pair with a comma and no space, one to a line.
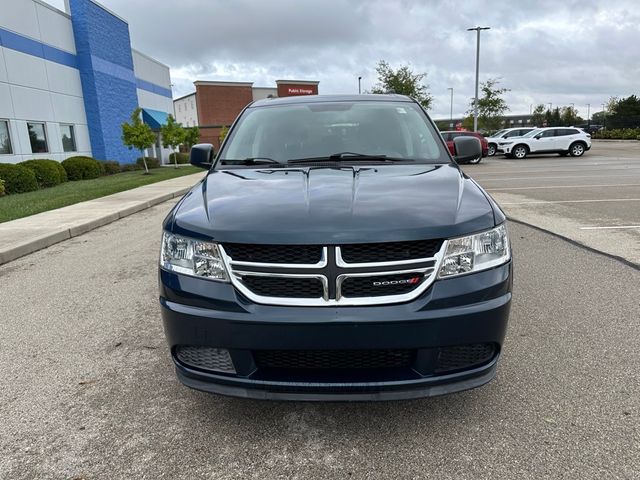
172,135
491,105
569,116
223,134
403,82
138,135
623,113
192,136
538,115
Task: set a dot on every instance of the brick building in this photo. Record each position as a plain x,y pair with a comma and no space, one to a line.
215,105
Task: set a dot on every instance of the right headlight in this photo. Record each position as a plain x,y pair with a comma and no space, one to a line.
476,252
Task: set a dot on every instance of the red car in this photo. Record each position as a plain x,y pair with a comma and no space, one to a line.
450,135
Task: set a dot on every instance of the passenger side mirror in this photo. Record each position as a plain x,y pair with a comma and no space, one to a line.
467,149
202,155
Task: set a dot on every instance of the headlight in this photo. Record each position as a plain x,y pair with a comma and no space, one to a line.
476,252
192,257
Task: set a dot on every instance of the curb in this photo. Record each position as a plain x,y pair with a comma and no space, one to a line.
35,242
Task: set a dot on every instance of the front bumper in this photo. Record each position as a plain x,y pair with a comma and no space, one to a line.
467,310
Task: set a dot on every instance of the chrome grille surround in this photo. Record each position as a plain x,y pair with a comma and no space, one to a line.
332,271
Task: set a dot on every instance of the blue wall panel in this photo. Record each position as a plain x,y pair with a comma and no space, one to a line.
108,83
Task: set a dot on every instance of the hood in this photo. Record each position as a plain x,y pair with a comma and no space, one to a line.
332,205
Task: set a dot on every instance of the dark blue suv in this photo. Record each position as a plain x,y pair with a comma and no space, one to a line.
335,251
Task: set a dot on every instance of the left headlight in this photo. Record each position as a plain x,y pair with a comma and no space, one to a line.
477,252
192,257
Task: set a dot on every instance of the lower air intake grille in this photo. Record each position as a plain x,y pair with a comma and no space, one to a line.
333,359
464,356
206,358
291,287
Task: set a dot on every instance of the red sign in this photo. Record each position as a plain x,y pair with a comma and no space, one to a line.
299,91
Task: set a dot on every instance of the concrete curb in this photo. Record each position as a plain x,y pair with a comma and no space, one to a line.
30,234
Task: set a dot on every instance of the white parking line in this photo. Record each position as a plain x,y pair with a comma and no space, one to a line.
566,186
610,228
544,202
547,178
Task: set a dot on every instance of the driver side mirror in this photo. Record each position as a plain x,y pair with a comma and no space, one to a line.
467,149
537,137
202,155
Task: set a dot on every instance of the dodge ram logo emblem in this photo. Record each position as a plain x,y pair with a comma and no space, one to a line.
384,283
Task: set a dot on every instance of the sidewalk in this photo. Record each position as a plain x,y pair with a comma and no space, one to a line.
26,235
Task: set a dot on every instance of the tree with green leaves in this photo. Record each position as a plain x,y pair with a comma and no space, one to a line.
172,135
223,134
403,82
192,136
491,105
623,112
138,135
538,115
569,116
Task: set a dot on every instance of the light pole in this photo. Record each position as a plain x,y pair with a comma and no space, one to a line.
359,85
588,114
475,102
531,109
550,105
451,108
604,117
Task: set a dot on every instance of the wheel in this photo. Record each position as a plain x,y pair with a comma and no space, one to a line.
475,161
576,149
492,150
520,151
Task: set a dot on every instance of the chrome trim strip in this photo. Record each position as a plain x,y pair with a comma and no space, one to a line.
341,263
321,264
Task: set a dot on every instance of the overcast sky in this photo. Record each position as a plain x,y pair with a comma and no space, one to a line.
554,51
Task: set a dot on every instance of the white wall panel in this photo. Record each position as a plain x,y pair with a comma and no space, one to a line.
6,105
68,109
83,144
150,70
55,28
32,104
63,79
20,16
25,70
3,70
154,101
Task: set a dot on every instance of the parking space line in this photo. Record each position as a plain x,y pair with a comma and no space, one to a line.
542,202
562,176
611,227
566,186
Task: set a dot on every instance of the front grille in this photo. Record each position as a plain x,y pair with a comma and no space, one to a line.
205,358
293,254
464,356
389,252
292,287
380,285
333,359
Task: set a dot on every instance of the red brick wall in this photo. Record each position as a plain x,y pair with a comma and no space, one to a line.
294,89
221,104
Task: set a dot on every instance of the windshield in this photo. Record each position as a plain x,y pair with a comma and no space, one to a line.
281,133
532,133
499,133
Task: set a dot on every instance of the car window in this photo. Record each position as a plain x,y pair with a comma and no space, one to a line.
295,131
514,133
549,133
446,137
571,131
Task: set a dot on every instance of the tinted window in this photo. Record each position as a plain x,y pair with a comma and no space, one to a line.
287,132
571,131
5,139
68,138
37,138
549,133
514,133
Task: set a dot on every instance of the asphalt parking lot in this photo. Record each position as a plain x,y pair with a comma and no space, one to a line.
593,199
87,388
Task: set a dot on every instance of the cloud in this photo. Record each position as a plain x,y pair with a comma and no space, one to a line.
545,52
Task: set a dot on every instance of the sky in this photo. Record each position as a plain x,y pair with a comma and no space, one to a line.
559,52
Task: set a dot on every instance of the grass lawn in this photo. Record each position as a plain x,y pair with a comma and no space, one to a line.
24,204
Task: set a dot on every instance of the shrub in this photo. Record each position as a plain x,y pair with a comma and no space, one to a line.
17,179
618,134
182,157
130,167
82,168
110,167
152,162
1,187
49,173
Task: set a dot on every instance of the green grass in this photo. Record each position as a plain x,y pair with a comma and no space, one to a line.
24,204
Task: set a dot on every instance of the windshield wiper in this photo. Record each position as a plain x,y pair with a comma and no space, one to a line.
250,161
347,156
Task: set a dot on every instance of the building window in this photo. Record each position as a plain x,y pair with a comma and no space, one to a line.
5,139
37,137
68,138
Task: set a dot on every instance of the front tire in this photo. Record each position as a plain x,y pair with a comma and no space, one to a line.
520,151
577,149
492,150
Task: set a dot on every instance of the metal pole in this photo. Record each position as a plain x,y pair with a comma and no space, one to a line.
604,117
451,108
475,102
359,86
588,114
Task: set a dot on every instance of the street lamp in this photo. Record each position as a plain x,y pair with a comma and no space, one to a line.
604,117
550,105
359,85
475,102
588,114
451,109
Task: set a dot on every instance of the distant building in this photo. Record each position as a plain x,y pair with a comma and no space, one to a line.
69,79
215,105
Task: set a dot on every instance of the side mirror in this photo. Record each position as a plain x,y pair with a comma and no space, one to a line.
467,149
537,137
202,155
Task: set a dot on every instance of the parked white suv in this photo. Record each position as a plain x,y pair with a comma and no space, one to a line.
562,140
501,135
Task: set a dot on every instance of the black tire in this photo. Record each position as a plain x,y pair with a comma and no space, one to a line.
493,149
577,149
520,152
